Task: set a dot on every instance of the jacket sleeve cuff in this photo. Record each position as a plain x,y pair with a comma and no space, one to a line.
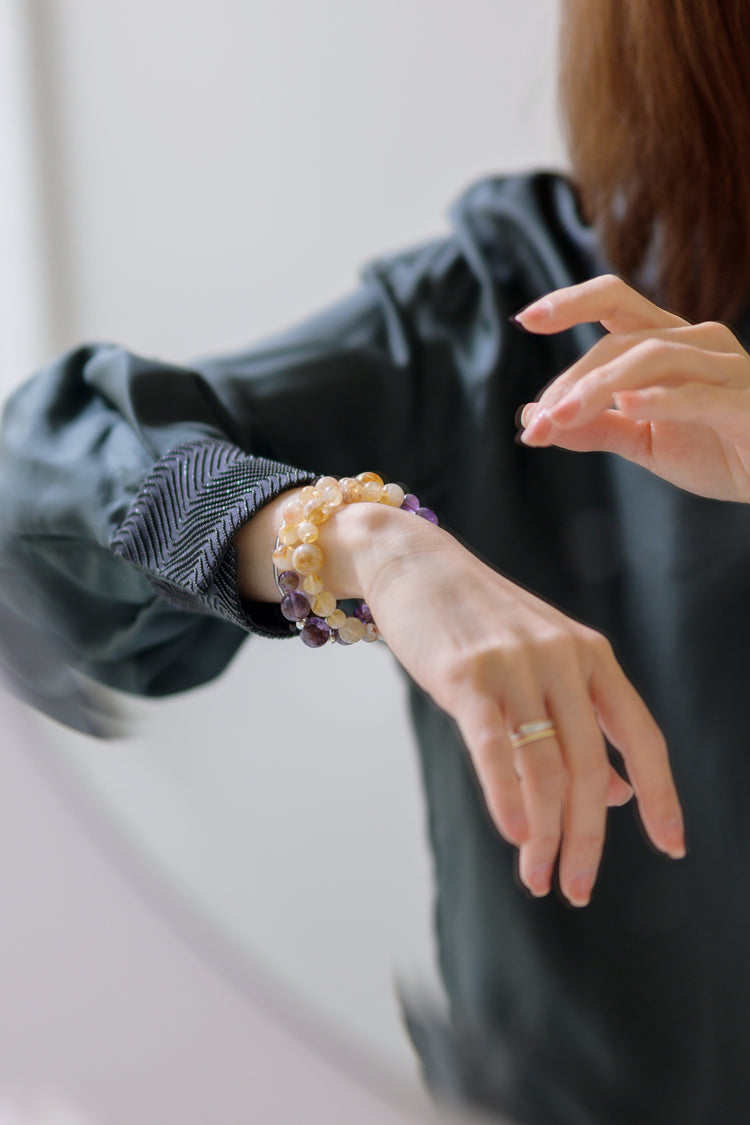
180,528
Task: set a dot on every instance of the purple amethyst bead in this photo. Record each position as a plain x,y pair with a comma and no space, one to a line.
295,606
289,580
362,612
411,503
427,514
315,632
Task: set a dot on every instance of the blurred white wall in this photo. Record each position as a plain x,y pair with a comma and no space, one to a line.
197,175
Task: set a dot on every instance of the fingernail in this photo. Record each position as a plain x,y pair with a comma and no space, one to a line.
538,429
675,839
517,323
580,888
540,879
537,310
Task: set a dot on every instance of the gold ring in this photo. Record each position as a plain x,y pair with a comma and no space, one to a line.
533,731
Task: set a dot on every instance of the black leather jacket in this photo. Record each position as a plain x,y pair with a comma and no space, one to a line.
124,479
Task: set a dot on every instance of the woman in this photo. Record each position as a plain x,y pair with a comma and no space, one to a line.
142,504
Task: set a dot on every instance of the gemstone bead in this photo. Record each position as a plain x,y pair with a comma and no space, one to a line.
371,633
307,558
312,583
371,491
295,606
291,511
315,511
411,503
282,558
332,495
323,604
307,532
427,514
352,630
336,619
370,477
351,490
288,580
393,495
307,493
362,613
288,534
315,632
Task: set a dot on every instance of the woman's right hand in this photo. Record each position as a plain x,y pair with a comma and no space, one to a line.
494,656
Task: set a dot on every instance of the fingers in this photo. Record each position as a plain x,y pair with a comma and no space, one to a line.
653,362
630,728
549,796
606,299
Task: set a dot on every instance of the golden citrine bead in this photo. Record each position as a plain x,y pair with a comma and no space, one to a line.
351,490
371,490
336,619
332,495
291,511
352,630
393,495
282,558
288,534
324,482
365,477
307,558
371,632
307,532
312,583
324,604
316,511
307,493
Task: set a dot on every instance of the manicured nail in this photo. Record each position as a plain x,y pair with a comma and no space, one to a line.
536,311
675,839
538,429
540,879
580,888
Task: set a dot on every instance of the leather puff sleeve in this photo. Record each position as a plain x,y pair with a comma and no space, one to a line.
124,479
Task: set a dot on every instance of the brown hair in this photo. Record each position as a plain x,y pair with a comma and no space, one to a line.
655,97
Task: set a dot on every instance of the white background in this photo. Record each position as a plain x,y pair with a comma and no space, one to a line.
185,177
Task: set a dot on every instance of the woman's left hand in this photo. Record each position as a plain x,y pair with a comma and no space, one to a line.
671,396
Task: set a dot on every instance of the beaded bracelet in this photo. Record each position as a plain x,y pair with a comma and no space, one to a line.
298,558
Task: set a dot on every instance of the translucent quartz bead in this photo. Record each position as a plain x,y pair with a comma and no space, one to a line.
411,503
288,534
315,632
288,580
332,495
295,606
365,477
323,604
282,558
351,490
307,532
312,583
371,490
291,511
393,494
336,619
307,558
307,493
371,633
427,514
352,630
316,511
